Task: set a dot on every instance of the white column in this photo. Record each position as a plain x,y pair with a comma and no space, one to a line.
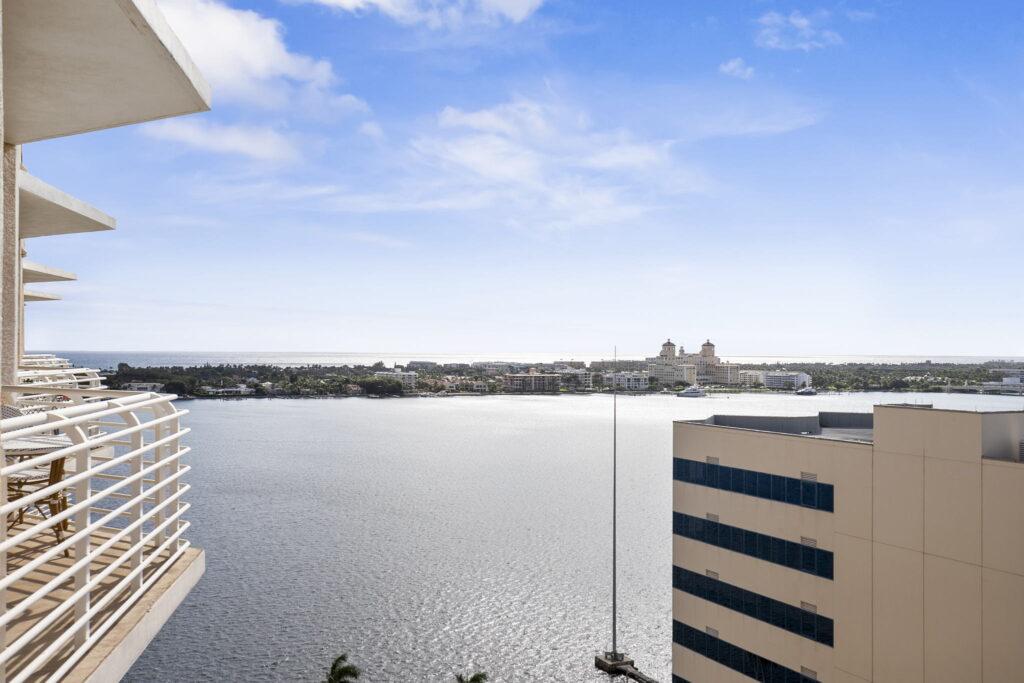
5,180
10,263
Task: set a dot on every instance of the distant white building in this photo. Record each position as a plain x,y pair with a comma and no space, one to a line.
751,378
240,390
155,387
492,367
408,379
628,381
1010,375
457,384
576,378
724,373
532,382
785,379
669,374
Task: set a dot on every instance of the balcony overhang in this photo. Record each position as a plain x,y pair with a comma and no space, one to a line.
37,272
35,295
45,210
72,66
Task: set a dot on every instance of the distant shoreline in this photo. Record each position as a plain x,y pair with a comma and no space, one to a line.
242,381
110,359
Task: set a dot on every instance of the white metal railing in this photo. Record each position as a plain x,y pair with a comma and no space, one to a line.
123,516
43,360
62,378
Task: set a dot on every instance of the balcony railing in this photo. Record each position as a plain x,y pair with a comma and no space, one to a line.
43,360
62,378
84,545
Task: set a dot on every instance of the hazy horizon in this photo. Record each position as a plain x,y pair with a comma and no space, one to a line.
106,359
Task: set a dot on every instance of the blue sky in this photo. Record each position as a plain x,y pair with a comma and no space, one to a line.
531,175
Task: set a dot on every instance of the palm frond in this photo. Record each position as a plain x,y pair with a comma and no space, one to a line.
342,671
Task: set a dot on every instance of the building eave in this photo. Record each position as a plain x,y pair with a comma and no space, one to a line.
36,295
73,66
45,210
32,272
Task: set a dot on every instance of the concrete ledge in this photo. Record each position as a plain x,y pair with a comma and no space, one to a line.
110,659
36,295
37,272
45,210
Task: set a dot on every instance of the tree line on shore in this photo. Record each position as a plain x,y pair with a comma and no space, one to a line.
343,671
323,380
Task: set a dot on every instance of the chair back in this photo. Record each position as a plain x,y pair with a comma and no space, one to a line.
7,411
56,471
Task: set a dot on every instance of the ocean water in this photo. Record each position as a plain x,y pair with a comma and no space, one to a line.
109,359
428,536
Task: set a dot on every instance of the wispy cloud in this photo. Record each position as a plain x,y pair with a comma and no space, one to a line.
737,68
439,14
378,240
539,163
244,56
796,31
549,166
860,15
372,129
259,143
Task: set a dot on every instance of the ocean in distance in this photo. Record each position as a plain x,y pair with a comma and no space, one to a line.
103,360
426,537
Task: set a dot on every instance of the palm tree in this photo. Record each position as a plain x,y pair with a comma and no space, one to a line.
478,677
342,671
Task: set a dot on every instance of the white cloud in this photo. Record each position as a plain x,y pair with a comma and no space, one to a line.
260,143
450,14
244,56
860,15
378,240
542,165
795,31
627,155
538,163
736,68
514,119
372,129
487,156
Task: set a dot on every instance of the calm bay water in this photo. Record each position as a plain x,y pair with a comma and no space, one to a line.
107,359
431,536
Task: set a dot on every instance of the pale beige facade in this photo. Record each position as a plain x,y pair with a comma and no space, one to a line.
900,559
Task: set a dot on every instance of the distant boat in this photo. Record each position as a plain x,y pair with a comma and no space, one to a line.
806,391
692,392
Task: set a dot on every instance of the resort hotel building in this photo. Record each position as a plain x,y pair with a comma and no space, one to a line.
94,555
883,547
673,365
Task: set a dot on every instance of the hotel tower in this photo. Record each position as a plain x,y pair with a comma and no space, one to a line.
94,554
884,547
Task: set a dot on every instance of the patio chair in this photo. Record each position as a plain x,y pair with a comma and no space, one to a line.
23,483
26,482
